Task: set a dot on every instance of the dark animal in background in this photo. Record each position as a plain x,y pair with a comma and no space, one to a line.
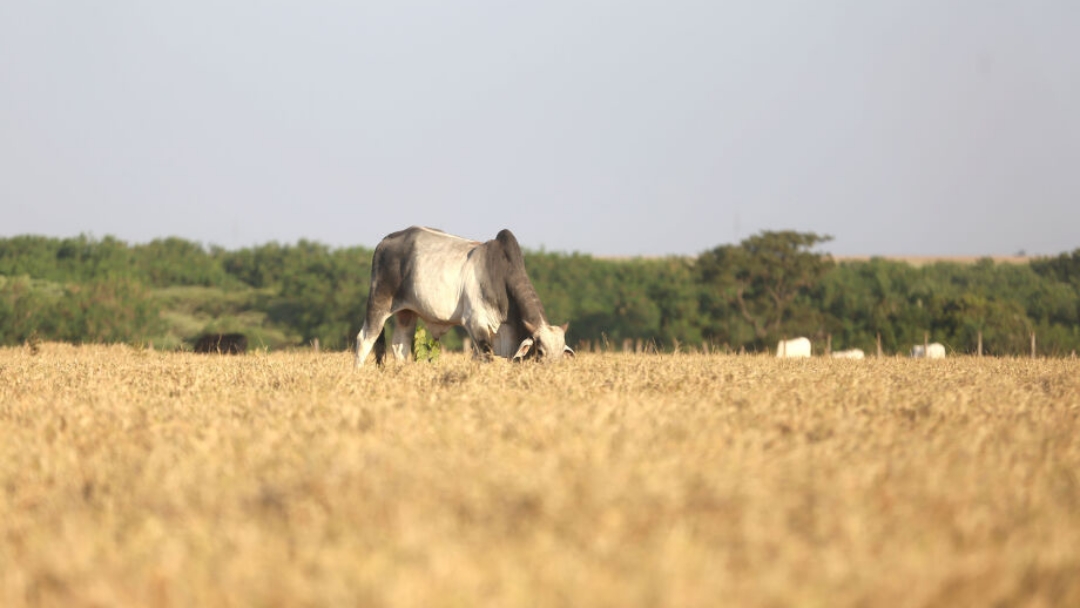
225,344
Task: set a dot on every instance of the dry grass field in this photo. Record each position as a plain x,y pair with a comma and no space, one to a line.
924,260
141,478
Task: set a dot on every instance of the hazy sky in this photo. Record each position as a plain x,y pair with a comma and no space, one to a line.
616,128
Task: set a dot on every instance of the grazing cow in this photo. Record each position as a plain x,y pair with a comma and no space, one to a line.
934,350
854,353
797,347
448,280
225,344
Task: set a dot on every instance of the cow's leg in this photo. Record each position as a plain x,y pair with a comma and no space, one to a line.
483,343
484,349
377,313
404,329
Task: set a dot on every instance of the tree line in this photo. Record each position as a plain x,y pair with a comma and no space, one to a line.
735,296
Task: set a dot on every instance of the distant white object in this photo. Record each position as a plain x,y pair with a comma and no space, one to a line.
797,347
932,351
854,353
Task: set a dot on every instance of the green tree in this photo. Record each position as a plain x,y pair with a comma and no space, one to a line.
1003,323
88,289
1064,268
323,292
672,287
173,261
24,311
110,310
84,258
763,277
260,267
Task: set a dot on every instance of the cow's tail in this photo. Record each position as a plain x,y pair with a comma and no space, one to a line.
380,349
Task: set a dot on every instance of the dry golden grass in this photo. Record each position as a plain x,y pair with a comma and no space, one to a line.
924,260
136,478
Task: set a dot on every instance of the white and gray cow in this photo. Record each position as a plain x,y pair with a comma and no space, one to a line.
447,280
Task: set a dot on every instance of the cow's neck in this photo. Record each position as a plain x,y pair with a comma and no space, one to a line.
525,307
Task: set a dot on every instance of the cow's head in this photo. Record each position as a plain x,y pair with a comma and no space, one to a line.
546,343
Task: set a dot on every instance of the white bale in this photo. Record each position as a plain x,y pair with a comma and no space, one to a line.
935,350
853,353
797,347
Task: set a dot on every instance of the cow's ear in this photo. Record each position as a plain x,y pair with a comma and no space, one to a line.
565,327
522,350
569,352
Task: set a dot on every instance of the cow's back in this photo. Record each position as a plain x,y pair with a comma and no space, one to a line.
424,269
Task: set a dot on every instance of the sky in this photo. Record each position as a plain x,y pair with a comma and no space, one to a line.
898,127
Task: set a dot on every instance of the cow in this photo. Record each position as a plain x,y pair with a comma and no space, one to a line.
225,344
934,350
854,353
797,347
448,280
